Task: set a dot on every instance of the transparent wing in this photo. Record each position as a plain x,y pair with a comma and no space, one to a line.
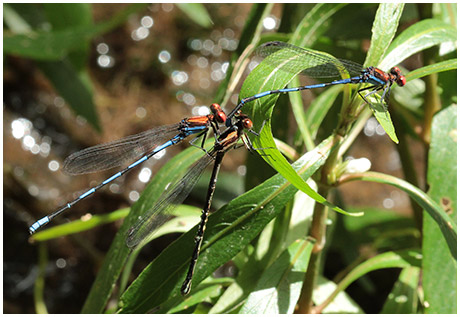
313,63
161,211
116,153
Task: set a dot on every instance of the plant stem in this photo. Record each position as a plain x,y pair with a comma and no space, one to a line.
318,232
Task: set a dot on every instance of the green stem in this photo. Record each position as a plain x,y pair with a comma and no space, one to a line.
318,232
40,306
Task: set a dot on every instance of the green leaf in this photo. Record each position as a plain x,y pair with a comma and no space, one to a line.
70,15
439,268
65,15
443,66
197,13
55,45
403,298
39,287
265,78
278,290
385,25
417,37
79,225
383,117
229,230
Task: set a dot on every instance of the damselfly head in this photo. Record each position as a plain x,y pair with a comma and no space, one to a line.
218,113
244,119
400,79
247,123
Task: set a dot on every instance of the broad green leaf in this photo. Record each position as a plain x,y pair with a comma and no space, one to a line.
64,15
71,15
118,252
439,268
383,117
229,230
265,78
278,290
417,37
445,223
403,298
79,225
197,12
383,30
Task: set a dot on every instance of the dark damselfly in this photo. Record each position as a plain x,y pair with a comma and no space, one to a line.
176,193
139,147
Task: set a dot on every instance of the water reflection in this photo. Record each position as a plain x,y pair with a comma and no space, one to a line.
164,56
147,21
270,23
145,174
179,77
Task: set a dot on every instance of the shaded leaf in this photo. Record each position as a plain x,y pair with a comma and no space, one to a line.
439,267
403,298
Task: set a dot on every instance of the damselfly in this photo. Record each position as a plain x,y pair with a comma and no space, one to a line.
317,65
144,145
176,193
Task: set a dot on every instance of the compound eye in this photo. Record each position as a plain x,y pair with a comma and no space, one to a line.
400,79
215,108
247,123
221,117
